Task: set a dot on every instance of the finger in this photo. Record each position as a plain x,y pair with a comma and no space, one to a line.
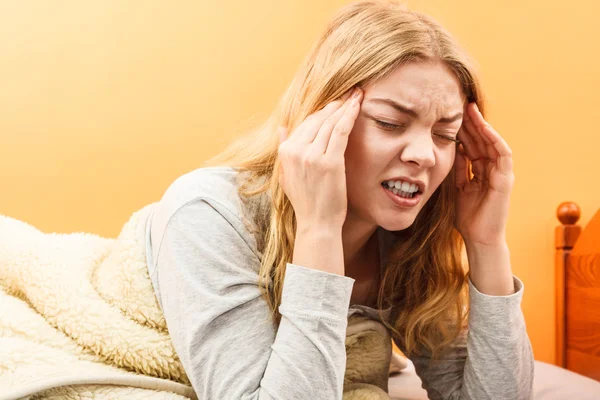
348,93
470,151
479,171
479,125
484,149
281,174
490,151
494,139
319,145
504,159
474,137
461,168
307,130
338,139
282,132
469,147
497,142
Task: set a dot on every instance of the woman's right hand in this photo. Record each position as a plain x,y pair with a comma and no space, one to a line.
312,167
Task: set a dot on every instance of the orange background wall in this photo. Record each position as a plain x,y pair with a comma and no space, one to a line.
104,104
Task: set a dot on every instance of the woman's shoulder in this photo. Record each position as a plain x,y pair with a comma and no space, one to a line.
201,206
214,185
200,196
198,226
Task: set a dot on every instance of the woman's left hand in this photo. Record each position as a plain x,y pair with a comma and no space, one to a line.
483,200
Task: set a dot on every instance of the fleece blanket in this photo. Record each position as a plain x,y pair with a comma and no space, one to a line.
79,320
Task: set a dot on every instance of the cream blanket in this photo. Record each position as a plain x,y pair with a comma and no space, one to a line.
79,320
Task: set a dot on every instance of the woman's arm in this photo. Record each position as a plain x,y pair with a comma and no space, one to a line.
492,360
490,270
220,324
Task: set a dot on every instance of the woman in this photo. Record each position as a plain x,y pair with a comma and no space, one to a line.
359,203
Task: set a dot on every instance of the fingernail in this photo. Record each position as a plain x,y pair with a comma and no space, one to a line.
356,93
347,95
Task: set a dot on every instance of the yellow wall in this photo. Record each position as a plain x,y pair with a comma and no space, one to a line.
103,104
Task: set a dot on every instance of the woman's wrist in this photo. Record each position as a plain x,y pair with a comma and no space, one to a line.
319,247
319,229
490,268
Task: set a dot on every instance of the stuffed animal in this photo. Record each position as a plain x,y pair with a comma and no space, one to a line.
369,360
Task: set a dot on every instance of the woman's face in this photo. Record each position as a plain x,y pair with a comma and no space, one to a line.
399,139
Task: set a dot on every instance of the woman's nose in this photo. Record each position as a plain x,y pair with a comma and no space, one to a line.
419,150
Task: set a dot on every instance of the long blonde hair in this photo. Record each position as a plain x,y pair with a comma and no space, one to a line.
424,280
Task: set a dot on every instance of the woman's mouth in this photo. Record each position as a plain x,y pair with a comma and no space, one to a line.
403,189
406,195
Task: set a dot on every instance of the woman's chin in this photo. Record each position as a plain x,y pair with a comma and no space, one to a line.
397,225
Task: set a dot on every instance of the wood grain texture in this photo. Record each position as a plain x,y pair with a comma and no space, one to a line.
581,299
566,235
561,262
583,364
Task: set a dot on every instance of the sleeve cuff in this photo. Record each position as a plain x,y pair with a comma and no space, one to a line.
316,293
496,315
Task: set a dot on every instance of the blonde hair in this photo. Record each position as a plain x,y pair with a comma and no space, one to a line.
424,280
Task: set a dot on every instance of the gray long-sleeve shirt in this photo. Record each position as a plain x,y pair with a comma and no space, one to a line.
204,266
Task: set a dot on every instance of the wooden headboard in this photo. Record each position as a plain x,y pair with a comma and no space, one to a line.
578,292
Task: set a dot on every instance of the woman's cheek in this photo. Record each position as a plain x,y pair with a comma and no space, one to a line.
447,161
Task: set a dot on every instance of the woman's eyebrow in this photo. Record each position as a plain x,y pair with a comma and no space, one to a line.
409,111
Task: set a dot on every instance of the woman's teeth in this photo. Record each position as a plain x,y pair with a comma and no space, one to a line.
400,188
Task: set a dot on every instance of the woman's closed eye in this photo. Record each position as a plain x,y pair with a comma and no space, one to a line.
395,127
388,126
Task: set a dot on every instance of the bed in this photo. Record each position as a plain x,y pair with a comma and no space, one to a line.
578,292
576,374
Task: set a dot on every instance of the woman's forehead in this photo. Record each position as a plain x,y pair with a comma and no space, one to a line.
418,87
